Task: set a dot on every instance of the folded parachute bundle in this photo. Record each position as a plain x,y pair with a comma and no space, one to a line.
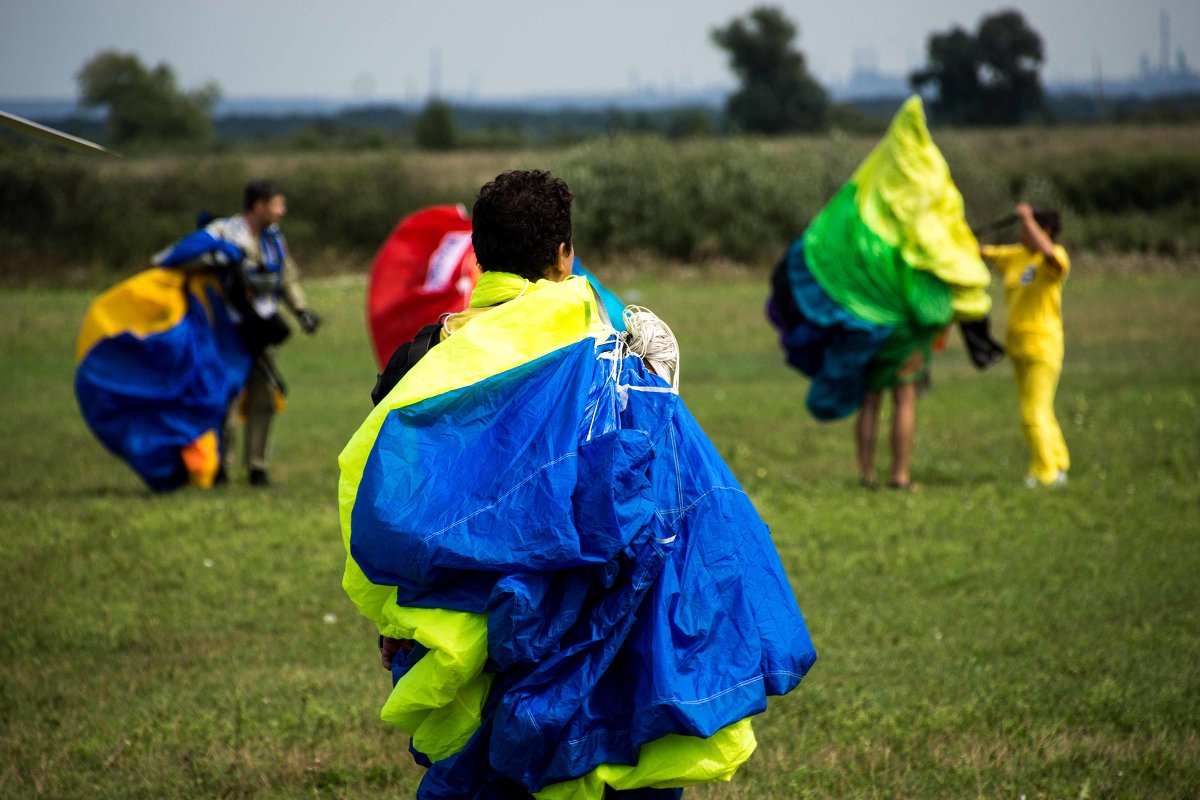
593,600
890,262
427,268
158,362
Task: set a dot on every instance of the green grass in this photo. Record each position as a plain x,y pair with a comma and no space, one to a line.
976,639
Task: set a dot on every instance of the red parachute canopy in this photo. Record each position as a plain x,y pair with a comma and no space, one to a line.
426,268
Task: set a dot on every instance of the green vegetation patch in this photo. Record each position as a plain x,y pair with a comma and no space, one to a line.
75,220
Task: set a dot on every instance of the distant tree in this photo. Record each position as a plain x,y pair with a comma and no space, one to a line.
778,94
1011,53
991,78
954,68
145,105
435,127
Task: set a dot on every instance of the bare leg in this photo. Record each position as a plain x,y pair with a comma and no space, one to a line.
904,426
866,430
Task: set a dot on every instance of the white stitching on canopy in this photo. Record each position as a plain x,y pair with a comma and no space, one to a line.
500,499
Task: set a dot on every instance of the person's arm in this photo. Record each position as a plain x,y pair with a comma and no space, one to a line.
987,252
293,294
289,286
388,647
1041,240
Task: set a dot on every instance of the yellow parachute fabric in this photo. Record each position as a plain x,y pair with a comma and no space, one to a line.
906,197
666,763
150,302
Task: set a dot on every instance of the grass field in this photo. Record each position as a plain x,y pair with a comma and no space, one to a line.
976,639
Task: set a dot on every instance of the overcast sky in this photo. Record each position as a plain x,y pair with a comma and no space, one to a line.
392,50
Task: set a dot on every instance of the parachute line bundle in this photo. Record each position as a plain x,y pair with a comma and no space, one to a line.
652,339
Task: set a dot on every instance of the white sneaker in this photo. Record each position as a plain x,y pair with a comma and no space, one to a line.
1060,479
1031,482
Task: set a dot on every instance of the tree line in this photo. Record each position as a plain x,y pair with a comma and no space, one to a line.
986,77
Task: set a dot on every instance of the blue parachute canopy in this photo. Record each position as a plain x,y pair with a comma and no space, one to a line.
627,590
159,361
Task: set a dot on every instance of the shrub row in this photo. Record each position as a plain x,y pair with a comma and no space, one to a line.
1154,183
57,210
736,199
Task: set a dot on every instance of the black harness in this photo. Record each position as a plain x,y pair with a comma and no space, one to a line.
405,358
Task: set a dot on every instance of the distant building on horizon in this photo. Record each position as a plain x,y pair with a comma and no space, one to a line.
867,82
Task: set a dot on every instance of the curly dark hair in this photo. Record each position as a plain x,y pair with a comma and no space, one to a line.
518,222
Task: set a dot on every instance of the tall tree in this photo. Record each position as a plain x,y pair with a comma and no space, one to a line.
1011,53
145,105
989,78
778,94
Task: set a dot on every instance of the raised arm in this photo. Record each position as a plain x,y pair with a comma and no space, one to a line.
1041,240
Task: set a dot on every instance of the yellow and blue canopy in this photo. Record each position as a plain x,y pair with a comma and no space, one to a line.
158,363
594,600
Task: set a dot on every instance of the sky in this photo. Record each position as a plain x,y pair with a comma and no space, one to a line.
382,51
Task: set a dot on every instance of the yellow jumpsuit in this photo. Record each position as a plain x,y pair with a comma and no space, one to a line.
1034,341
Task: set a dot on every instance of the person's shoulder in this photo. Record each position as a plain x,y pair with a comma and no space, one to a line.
405,357
228,227
1005,256
1056,265
1064,260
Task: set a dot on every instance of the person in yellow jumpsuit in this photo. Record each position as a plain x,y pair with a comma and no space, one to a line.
1033,272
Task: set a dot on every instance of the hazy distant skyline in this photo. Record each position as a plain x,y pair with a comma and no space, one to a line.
388,51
